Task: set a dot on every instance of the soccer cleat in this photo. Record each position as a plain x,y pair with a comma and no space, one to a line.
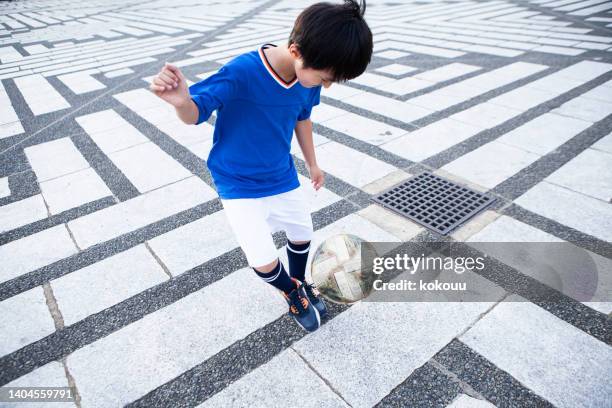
301,309
315,299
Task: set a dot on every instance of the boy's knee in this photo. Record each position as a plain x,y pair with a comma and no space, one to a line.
299,242
267,268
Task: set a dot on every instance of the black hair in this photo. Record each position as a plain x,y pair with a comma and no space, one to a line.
334,37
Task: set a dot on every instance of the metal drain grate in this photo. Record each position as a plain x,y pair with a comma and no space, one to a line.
436,203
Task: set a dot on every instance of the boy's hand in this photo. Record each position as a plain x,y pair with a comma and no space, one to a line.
316,177
171,86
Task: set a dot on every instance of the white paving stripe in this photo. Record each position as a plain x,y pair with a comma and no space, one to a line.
427,141
575,210
140,211
418,48
9,121
362,128
544,133
9,54
491,163
105,283
118,73
507,229
317,199
391,54
462,91
470,43
24,318
41,157
431,102
431,139
428,78
5,190
325,112
385,106
487,114
582,107
182,248
317,140
340,92
163,116
494,162
145,164
577,5
560,363
81,82
384,348
588,173
65,183
349,165
148,167
10,129
395,69
73,190
22,212
604,144
109,371
287,375
50,375
592,10
373,80
40,95
35,251
101,53
110,131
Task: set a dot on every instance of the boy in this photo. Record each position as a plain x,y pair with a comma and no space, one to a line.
261,97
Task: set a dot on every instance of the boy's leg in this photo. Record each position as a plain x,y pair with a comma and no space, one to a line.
290,212
297,256
275,274
247,218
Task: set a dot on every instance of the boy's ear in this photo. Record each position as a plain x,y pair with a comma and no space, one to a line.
294,51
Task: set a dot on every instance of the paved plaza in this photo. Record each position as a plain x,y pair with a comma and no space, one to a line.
120,276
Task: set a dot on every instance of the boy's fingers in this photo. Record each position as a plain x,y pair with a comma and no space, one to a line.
175,70
159,82
157,88
170,75
167,74
166,78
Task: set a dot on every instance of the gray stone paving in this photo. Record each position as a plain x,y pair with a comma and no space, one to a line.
119,274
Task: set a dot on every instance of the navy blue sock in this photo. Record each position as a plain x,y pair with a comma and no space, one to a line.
279,278
297,254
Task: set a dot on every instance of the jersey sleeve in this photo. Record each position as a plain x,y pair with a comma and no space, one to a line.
315,100
212,92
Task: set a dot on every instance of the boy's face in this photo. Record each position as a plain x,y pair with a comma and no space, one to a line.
309,77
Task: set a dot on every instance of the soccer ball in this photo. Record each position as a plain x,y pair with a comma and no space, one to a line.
336,269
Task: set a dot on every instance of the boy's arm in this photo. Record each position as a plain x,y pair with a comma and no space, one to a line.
303,132
187,112
171,86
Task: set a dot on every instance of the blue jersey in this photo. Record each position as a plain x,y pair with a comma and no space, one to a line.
256,115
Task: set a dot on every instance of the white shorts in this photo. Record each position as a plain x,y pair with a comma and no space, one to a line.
254,220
